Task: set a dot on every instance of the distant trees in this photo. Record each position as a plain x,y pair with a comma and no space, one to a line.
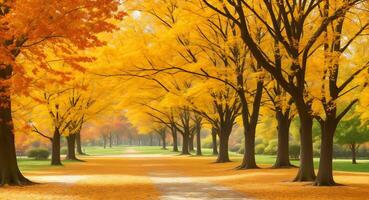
352,133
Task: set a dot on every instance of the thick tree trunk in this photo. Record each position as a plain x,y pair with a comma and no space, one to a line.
325,175
190,143
55,154
9,171
198,141
185,139
353,152
175,140
306,171
223,155
283,156
71,145
249,161
79,143
214,143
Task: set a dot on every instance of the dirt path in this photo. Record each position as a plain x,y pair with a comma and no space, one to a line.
175,178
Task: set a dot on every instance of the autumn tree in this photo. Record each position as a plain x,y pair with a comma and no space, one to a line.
30,28
285,23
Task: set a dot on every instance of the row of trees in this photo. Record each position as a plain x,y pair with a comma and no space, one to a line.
215,64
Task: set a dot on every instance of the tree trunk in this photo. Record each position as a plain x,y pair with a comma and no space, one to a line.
104,138
110,140
306,171
223,149
163,137
175,142
71,145
198,141
185,139
353,152
79,143
9,171
214,139
55,154
249,161
190,143
283,155
325,175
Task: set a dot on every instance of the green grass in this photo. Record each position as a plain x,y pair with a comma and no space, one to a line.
26,164
30,164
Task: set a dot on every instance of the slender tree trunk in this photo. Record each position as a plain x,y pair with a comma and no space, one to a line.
163,137
325,175
223,155
353,153
110,140
104,138
198,141
71,145
306,171
214,143
55,151
283,155
9,171
175,142
79,143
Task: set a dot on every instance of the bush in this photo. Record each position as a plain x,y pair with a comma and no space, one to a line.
64,150
207,142
295,151
259,149
272,147
39,154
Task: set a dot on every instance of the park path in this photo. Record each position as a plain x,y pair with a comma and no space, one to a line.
175,187
128,177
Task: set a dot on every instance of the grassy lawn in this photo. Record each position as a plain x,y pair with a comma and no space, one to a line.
27,164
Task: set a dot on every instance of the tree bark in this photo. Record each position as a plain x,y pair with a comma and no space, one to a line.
9,171
214,139
55,154
325,175
71,145
249,161
185,141
353,152
104,138
306,171
163,137
79,143
283,155
190,142
250,123
175,140
198,141
223,155
110,140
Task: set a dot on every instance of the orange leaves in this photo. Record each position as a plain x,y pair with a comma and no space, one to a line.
38,30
